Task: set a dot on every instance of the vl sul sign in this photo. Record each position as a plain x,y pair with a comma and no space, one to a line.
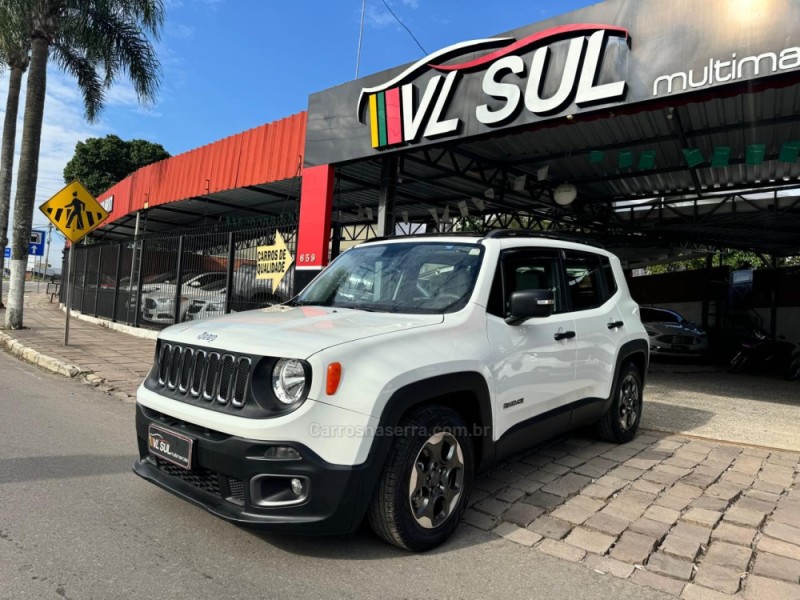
517,75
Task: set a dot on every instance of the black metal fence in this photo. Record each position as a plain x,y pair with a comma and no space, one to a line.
159,280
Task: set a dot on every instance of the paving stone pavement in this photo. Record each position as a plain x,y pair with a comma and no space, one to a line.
694,518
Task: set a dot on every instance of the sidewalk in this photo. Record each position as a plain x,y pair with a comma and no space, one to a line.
120,360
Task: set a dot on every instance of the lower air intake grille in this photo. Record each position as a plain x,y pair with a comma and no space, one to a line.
237,490
203,479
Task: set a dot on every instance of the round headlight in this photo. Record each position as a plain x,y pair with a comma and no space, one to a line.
288,380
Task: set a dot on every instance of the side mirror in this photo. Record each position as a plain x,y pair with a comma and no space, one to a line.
195,284
528,304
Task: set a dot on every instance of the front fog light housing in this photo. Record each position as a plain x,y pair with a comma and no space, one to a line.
288,381
298,489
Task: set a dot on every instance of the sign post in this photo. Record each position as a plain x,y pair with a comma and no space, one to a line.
68,299
75,213
36,248
47,251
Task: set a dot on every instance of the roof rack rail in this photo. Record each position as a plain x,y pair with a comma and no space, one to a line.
429,235
550,235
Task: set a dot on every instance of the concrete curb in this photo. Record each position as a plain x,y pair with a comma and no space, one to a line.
34,357
147,334
58,366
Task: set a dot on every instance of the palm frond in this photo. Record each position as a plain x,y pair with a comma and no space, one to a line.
110,36
15,28
84,69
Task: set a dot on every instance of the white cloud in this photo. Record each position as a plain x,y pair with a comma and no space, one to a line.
179,31
377,15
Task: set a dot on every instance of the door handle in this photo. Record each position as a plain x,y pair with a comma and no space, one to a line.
615,324
564,335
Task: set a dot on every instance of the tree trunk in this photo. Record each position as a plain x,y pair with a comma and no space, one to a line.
7,160
26,178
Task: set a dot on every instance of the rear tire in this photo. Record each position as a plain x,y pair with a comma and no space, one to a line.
621,422
425,485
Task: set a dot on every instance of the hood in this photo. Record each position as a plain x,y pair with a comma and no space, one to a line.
292,332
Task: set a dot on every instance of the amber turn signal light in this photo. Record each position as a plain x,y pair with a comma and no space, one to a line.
334,377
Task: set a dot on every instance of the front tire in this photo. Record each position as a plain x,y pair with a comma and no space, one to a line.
621,422
424,487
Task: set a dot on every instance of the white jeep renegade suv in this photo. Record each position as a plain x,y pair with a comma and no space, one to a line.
404,368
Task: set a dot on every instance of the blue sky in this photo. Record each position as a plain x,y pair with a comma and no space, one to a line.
230,65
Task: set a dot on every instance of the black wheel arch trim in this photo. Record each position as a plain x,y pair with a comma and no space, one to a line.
427,391
626,352
629,349
416,394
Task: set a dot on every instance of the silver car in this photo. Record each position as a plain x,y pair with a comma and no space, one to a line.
671,334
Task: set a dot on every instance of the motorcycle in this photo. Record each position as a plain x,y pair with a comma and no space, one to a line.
761,354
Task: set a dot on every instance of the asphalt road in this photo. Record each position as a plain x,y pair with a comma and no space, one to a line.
76,523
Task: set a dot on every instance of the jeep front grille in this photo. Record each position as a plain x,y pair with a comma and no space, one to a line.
208,374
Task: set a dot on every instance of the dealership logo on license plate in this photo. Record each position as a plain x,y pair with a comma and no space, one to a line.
170,446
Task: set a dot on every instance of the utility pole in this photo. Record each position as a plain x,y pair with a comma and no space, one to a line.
360,36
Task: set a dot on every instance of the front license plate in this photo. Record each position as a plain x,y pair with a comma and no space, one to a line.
681,348
172,447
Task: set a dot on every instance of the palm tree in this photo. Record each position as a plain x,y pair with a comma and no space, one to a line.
15,46
95,41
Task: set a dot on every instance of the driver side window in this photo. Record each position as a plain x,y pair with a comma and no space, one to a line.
526,269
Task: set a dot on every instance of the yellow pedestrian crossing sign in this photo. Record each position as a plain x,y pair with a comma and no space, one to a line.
74,211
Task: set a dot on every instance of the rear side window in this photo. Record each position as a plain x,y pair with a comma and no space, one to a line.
611,283
584,280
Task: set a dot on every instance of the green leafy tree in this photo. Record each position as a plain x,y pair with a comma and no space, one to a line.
99,163
15,46
736,259
97,42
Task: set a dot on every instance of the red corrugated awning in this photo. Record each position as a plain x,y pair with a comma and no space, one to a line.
269,153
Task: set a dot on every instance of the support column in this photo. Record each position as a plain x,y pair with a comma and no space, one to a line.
708,289
336,241
386,196
773,299
314,228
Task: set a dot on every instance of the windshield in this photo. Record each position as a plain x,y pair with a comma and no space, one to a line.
417,278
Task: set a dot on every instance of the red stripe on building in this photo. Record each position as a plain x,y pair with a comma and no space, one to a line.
394,120
314,229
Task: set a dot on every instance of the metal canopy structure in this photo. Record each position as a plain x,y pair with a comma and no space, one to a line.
255,202
649,178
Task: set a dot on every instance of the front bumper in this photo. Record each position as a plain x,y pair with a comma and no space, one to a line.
224,467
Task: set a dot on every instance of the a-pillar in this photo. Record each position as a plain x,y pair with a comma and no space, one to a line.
314,228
